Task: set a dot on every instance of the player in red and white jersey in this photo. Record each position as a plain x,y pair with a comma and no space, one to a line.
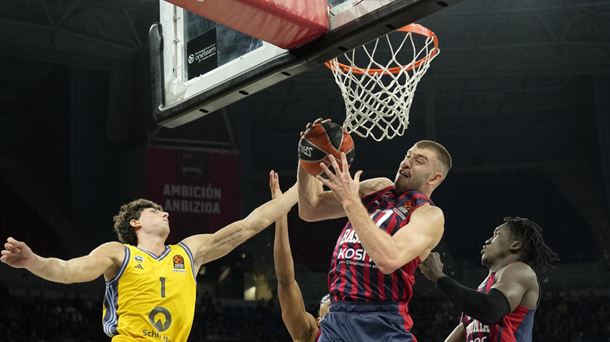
392,226
502,308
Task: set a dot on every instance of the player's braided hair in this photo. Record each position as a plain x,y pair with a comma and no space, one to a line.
128,212
535,252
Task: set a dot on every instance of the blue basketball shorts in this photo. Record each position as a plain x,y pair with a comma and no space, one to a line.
354,322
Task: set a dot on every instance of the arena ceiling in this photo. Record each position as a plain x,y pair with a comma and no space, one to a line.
531,48
38,35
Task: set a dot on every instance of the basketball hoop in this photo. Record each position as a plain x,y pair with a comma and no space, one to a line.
378,97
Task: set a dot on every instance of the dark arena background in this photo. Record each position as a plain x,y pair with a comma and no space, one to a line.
520,95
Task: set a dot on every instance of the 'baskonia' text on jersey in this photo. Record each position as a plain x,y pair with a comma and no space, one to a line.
353,275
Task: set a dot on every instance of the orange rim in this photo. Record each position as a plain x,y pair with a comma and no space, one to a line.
412,28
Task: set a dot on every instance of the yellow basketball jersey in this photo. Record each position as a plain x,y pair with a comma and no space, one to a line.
153,297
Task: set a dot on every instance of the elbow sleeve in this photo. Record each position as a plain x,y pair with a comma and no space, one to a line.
497,306
486,308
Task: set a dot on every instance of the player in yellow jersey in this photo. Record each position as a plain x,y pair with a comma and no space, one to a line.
150,286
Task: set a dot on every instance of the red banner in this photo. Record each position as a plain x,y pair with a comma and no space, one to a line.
199,190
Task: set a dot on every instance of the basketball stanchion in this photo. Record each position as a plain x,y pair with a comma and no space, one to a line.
378,95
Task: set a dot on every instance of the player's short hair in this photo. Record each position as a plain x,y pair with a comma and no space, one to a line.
128,212
441,152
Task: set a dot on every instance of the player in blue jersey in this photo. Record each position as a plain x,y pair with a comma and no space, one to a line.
302,326
150,286
392,226
502,308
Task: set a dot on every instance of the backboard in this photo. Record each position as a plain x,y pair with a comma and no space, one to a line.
199,66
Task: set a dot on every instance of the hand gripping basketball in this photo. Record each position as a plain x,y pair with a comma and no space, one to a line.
320,140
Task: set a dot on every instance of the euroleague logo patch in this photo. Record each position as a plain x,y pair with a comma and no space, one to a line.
404,209
178,262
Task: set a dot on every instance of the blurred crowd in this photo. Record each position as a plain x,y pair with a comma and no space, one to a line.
42,318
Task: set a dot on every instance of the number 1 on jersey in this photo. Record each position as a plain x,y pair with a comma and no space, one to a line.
162,280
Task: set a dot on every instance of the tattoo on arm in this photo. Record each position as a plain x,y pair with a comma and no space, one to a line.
229,239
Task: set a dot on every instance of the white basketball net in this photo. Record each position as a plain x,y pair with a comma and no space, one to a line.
378,97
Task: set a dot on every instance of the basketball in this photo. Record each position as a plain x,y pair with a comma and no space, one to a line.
321,140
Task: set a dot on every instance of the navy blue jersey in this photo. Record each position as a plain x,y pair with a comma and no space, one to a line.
353,275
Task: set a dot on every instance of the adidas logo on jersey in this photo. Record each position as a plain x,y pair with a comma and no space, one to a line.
139,266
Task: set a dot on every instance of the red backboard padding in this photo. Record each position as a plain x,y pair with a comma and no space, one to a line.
284,23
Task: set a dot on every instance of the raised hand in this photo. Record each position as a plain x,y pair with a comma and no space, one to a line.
432,267
309,124
340,182
274,184
17,254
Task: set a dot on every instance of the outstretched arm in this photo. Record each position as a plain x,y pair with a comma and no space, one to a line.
208,247
487,308
300,324
390,252
105,259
